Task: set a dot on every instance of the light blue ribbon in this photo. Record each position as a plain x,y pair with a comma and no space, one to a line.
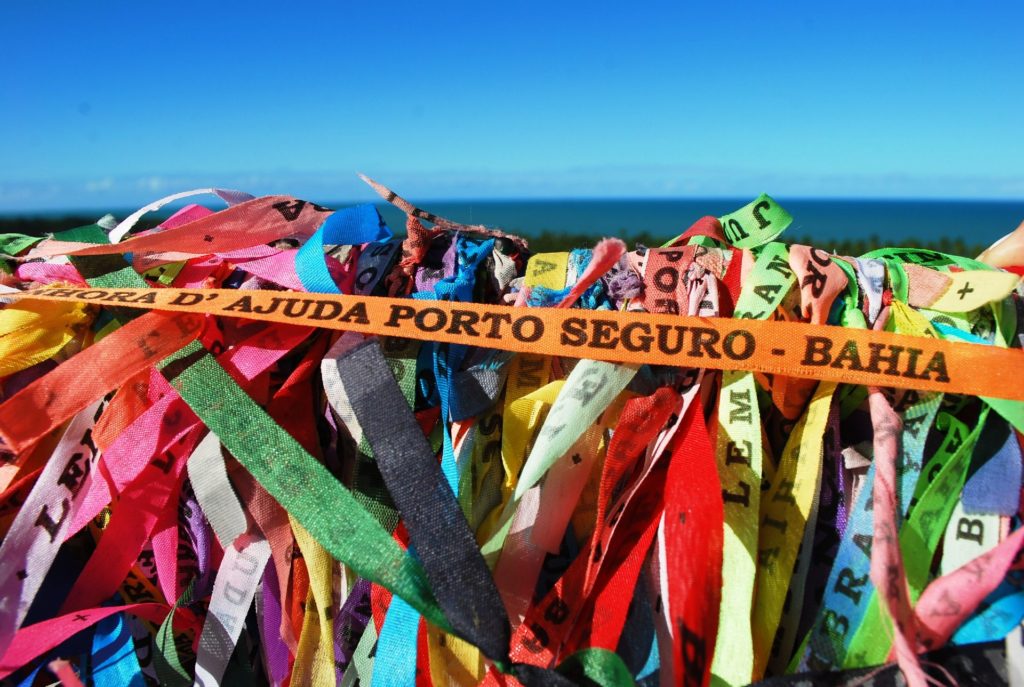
348,227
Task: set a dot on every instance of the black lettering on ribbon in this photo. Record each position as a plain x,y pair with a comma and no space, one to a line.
734,231
47,522
291,209
694,650
761,220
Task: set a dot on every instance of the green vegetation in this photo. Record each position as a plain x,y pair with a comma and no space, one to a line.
549,240
855,247
37,225
555,241
552,241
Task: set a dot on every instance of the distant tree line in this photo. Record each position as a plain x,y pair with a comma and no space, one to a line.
555,241
550,240
38,225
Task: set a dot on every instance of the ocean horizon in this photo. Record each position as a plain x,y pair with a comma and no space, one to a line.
887,221
822,219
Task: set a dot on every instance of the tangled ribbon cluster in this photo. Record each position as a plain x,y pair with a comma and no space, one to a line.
274,445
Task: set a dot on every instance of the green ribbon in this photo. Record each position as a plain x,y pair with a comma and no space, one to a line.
756,223
167,662
13,244
921,533
303,487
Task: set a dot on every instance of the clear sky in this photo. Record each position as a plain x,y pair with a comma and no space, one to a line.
112,104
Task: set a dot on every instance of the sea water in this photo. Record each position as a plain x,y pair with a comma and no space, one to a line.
889,222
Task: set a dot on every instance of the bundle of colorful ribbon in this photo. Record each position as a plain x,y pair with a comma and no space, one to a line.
274,445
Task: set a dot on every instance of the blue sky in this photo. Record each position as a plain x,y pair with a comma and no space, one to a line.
113,104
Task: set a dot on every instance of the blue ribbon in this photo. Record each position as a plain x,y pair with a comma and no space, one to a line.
995,486
845,604
1003,611
948,332
594,298
397,645
348,227
459,288
31,679
394,660
114,662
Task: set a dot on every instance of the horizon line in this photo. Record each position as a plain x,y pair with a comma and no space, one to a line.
70,211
